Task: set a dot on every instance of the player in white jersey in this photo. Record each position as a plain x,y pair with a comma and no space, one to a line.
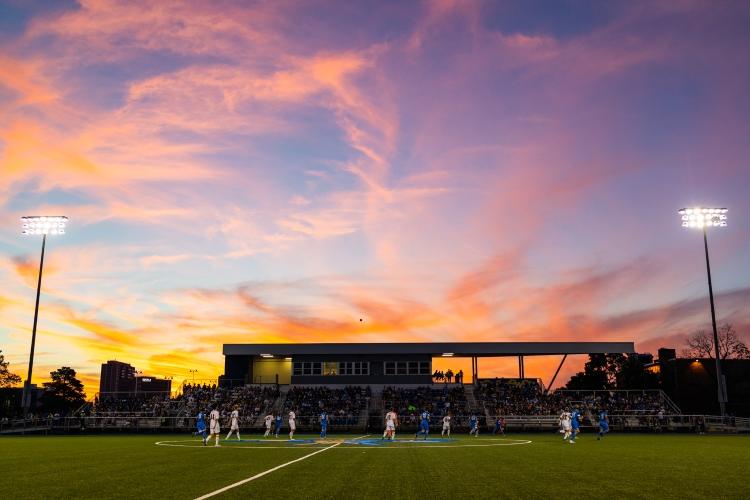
446,425
292,424
269,421
565,425
391,421
234,425
214,427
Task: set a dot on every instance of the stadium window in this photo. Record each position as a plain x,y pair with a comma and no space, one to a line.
401,368
297,369
390,368
413,368
330,368
317,368
424,368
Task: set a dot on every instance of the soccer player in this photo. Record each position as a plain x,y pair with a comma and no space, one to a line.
279,422
424,425
269,420
391,420
234,425
565,418
214,426
473,425
575,424
292,424
603,424
446,425
323,424
200,425
499,426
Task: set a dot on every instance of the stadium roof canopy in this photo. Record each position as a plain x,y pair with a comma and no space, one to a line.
457,349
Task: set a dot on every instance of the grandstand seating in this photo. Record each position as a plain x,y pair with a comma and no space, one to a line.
343,406
523,400
438,401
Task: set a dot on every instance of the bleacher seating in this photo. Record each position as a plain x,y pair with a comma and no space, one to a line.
343,406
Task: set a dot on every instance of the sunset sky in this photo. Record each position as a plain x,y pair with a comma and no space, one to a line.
447,171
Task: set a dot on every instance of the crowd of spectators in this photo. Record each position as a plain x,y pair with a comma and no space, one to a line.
618,402
448,376
526,397
136,405
408,403
343,406
250,401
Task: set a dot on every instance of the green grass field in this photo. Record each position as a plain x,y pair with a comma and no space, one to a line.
620,466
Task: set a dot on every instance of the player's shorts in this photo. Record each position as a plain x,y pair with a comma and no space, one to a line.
566,426
425,426
201,427
292,425
215,428
604,426
268,425
390,426
446,427
235,426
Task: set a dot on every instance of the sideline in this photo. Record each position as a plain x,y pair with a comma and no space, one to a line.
253,478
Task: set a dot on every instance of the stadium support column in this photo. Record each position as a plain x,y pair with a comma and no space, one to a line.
556,372
521,373
721,388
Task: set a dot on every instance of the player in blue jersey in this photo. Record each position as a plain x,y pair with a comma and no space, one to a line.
473,425
575,424
499,425
200,425
424,425
323,424
278,424
603,424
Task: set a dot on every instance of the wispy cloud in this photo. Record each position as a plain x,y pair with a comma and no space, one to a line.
242,172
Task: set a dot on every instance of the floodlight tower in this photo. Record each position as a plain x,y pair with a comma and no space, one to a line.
703,218
38,225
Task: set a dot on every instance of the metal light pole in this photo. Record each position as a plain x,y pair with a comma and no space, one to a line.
193,372
38,225
704,218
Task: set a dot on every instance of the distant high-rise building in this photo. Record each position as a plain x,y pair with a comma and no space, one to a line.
117,377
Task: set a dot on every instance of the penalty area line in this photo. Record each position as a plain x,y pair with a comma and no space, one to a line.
261,474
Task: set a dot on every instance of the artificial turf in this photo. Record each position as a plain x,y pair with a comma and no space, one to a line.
620,466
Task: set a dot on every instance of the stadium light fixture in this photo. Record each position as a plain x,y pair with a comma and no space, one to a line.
447,354
38,225
700,217
266,355
703,218
288,358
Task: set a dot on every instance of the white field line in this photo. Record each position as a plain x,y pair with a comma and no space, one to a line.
261,474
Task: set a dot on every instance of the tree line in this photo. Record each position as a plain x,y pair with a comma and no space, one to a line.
62,394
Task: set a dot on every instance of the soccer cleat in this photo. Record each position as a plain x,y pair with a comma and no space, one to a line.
572,442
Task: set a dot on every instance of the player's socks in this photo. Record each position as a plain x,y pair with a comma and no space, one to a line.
238,437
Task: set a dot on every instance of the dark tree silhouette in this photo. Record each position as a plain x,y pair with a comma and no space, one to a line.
65,392
701,344
7,378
